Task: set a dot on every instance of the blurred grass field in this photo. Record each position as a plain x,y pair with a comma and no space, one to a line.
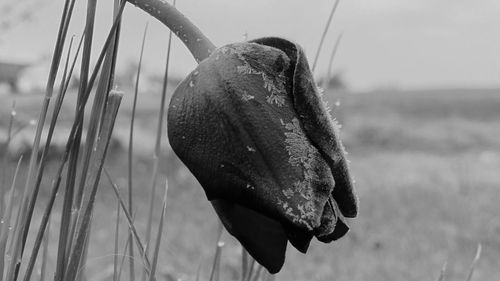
427,168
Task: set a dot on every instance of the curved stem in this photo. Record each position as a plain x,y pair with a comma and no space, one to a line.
197,43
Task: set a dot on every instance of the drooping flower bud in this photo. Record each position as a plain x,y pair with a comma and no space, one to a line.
250,125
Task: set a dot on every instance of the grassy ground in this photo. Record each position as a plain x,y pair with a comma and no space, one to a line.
426,165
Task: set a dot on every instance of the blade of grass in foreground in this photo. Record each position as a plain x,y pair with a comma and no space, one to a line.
117,236
474,262
140,245
159,133
23,224
158,235
84,220
443,271
215,274
50,203
325,31
131,148
45,253
5,223
3,185
326,81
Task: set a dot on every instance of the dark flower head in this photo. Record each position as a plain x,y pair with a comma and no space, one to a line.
250,124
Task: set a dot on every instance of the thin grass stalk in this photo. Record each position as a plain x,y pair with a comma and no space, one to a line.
125,249
140,245
474,262
48,210
159,233
325,31
159,133
258,273
45,253
244,263
117,236
97,110
198,271
215,274
326,81
251,269
76,124
5,223
442,273
131,149
68,198
84,76
94,177
6,156
23,227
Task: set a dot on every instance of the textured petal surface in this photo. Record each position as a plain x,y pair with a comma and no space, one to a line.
251,127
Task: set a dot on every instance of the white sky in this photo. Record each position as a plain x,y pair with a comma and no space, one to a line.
386,43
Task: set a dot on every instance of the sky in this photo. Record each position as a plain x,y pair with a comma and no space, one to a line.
406,44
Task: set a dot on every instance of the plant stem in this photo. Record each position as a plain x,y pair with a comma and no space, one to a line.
197,43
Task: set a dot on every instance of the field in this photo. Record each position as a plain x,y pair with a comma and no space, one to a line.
426,164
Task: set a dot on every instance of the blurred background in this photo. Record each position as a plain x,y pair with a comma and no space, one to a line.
415,85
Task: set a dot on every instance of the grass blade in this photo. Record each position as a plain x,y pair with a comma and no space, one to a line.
117,236
68,198
159,133
158,236
215,274
5,223
84,219
45,253
326,82
140,245
131,148
27,200
325,31
443,271
474,262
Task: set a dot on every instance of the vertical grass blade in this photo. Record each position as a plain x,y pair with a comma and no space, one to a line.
258,273
5,223
140,245
442,273
474,262
84,218
159,133
48,210
326,81
154,263
215,274
325,31
3,185
27,200
131,147
68,198
117,236
45,253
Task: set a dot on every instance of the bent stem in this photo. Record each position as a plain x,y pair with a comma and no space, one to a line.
197,43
